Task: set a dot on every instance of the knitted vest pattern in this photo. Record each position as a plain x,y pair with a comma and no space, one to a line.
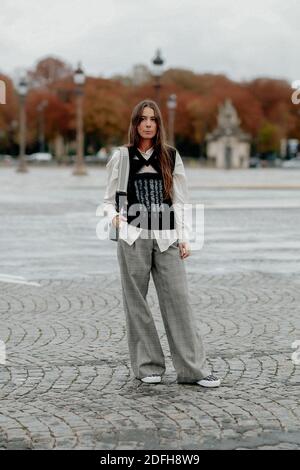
146,206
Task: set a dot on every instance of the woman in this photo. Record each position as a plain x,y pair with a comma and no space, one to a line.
156,242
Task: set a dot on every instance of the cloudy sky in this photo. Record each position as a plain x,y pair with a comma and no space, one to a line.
242,39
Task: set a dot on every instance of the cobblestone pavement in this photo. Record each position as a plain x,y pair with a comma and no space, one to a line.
67,383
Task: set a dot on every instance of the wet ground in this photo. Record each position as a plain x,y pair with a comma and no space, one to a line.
67,383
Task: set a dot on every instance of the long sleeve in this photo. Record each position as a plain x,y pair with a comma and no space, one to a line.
180,198
112,168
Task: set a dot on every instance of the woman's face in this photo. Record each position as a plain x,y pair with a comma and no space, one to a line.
147,127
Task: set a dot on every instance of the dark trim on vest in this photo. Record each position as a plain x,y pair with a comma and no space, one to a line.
157,220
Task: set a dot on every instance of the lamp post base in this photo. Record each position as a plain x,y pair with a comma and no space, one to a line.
22,167
80,170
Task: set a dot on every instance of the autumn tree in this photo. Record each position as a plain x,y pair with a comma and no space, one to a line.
9,118
49,71
264,106
55,113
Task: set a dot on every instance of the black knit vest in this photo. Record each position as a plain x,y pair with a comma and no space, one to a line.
146,205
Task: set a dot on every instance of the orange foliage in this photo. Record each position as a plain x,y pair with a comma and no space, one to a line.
108,103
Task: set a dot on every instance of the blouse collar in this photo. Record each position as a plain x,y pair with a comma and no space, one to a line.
148,152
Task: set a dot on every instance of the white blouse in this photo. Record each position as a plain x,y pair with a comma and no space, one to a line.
129,232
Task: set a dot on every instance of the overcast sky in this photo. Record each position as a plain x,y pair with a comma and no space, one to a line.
242,39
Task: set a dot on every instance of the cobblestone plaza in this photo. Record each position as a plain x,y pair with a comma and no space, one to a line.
66,382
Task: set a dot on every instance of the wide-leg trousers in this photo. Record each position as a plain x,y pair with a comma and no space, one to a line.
137,262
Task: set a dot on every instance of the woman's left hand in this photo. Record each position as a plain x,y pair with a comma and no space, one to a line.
184,249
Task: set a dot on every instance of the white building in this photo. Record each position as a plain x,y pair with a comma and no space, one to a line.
228,146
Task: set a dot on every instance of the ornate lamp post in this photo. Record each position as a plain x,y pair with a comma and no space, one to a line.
157,71
228,150
79,80
41,118
14,124
22,91
171,104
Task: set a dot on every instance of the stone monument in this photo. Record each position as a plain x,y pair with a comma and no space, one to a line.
228,146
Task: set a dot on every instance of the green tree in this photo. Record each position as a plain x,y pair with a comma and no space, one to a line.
268,139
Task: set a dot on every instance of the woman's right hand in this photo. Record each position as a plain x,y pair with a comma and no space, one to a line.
116,221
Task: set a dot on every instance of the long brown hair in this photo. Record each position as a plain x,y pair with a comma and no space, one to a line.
159,141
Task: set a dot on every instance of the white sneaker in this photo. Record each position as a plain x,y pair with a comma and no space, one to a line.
152,379
210,381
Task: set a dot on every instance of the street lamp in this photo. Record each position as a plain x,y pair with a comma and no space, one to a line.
22,91
228,150
14,124
171,104
79,80
41,119
157,71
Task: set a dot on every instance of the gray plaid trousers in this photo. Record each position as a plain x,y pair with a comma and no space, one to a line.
136,262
